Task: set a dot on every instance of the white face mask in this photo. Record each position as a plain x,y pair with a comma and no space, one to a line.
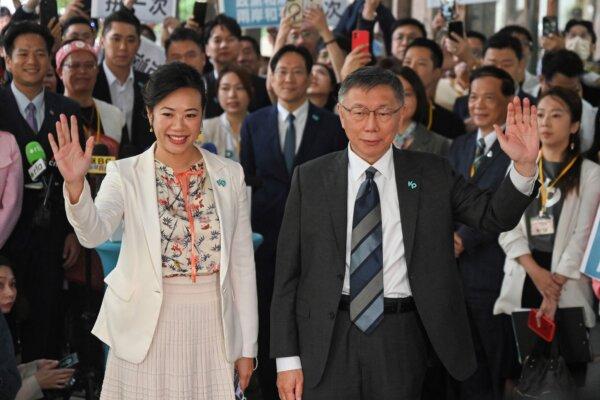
580,46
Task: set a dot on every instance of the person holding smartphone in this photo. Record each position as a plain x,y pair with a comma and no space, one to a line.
39,374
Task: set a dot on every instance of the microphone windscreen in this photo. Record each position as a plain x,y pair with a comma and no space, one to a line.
34,151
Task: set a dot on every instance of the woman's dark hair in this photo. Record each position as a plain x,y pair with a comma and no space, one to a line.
394,65
573,102
16,29
170,77
242,74
5,262
332,97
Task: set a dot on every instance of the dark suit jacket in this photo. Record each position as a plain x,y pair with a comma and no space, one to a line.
445,123
264,167
461,105
429,142
482,261
10,379
259,99
12,121
140,137
312,250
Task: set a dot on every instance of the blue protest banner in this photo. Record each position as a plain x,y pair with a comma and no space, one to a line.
591,260
253,13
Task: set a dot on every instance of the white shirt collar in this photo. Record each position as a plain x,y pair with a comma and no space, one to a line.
283,112
111,78
23,101
489,139
357,166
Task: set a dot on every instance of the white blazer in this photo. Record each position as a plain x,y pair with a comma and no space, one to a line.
132,302
572,233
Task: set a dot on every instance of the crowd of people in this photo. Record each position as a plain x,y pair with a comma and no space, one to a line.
409,204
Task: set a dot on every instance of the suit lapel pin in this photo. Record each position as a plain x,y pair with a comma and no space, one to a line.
52,112
221,182
412,185
489,154
315,117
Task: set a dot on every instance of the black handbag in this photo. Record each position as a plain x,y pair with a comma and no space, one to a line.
545,375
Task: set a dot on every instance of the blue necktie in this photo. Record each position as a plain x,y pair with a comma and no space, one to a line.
366,260
289,145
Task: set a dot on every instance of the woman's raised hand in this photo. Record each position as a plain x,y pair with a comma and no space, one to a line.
73,163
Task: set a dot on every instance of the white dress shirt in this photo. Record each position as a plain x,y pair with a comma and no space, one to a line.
121,95
23,102
300,114
395,281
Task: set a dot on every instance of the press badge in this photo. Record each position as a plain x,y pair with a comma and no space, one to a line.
542,225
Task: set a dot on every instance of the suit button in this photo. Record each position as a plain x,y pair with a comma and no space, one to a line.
332,315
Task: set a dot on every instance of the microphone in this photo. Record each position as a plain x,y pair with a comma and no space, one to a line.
97,170
200,7
36,157
209,146
100,157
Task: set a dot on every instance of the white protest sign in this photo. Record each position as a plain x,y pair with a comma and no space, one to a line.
148,11
149,57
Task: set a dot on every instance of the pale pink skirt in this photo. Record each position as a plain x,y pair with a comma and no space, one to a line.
186,359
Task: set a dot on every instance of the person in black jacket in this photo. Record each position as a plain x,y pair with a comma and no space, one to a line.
425,57
222,41
10,379
42,244
118,83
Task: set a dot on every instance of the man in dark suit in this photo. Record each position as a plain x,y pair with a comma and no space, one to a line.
480,160
118,83
10,379
222,40
274,140
505,52
425,57
42,243
366,275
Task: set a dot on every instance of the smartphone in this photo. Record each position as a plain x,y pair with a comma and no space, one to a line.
360,37
549,26
48,10
457,27
200,11
294,8
447,10
547,327
69,361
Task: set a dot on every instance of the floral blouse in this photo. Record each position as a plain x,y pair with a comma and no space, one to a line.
183,197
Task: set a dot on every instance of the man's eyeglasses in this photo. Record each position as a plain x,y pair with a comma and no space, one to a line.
359,114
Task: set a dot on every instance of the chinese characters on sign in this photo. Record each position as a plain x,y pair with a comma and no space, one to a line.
265,13
145,10
149,57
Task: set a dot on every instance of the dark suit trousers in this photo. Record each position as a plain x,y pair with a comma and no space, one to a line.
495,350
388,364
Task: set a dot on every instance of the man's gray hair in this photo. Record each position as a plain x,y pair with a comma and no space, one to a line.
369,77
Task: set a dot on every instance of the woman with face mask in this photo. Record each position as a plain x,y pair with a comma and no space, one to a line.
581,39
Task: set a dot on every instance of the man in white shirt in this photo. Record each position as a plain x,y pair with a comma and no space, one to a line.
118,83
479,159
274,140
365,273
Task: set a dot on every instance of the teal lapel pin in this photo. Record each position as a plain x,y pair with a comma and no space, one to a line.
315,117
412,185
221,182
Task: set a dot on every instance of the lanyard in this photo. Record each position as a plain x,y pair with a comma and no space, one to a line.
544,188
430,117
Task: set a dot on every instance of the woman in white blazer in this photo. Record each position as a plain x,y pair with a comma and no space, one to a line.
544,251
178,318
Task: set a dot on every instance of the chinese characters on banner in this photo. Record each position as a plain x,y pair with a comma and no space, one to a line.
145,10
265,13
149,57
